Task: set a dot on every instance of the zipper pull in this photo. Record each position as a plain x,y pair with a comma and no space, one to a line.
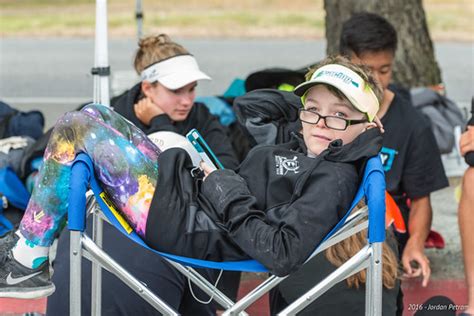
4,201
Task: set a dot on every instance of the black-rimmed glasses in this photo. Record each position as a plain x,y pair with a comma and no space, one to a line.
332,122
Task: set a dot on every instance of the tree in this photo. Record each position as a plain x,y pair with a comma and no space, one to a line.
415,63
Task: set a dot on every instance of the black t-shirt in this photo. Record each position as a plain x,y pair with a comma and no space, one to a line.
410,156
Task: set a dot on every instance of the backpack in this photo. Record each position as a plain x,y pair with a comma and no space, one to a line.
18,123
275,78
13,197
12,150
442,113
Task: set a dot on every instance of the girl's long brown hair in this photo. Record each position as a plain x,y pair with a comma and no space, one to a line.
341,252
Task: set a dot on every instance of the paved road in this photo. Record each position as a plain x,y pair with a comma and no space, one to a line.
32,71
60,67
54,73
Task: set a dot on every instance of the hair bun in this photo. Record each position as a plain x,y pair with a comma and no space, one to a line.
163,39
155,48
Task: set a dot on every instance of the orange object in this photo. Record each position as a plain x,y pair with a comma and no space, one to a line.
393,215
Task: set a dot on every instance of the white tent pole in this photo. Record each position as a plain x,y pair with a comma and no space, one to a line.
101,70
139,18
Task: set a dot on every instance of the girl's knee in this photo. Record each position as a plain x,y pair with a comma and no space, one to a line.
68,119
96,110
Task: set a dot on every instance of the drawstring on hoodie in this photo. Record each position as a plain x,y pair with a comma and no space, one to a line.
337,144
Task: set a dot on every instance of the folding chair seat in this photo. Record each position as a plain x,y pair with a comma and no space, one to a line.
369,257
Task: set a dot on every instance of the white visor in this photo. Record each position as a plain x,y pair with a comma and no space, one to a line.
174,72
357,91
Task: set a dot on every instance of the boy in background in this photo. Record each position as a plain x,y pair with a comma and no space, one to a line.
410,155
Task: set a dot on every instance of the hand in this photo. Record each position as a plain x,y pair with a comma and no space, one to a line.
466,143
206,169
379,124
146,110
414,253
376,123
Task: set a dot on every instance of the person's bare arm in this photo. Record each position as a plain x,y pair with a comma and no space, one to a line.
419,224
466,218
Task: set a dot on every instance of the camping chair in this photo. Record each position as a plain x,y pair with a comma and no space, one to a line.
369,257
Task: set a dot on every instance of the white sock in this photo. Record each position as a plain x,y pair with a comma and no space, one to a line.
29,254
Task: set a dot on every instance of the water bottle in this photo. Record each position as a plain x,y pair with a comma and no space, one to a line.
469,157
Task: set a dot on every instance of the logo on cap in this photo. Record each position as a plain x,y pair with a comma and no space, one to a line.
337,74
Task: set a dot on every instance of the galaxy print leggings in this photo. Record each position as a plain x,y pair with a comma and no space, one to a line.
125,162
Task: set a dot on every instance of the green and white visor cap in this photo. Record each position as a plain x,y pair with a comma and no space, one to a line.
349,83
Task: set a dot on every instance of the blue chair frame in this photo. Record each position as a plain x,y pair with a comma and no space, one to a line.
369,257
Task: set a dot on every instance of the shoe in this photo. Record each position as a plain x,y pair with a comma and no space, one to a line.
7,242
434,240
18,281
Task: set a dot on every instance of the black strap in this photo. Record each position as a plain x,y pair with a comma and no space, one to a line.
101,71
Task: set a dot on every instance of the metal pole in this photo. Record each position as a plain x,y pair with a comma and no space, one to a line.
139,18
101,62
254,295
376,279
111,265
358,262
96,291
205,285
369,287
101,72
75,254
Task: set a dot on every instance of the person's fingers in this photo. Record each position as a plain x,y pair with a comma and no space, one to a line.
379,124
466,143
140,105
206,168
466,147
463,142
425,266
416,272
406,266
422,267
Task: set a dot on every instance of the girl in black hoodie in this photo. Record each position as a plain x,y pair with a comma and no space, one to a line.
278,206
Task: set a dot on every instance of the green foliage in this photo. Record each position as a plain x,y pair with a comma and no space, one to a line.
447,19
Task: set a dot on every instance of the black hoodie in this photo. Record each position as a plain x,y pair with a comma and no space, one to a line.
269,116
277,209
208,125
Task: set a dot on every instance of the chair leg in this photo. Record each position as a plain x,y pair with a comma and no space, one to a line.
204,285
102,258
96,290
355,264
368,286
254,295
375,276
75,254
